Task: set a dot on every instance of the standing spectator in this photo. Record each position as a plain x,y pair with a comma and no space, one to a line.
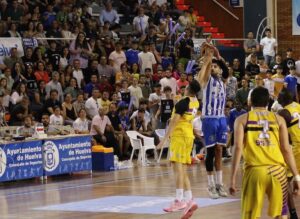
252,67
68,110
80,50
81,124
117,57
290,82
232,85
169,81
135,93
56,118
269,46
288,62
185,48
140,23
103,131
278,78
109,14
146,58
139,124
54,84
91,105
242,94
250,43
132,54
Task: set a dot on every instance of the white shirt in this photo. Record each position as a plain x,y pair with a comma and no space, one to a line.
270,85
118,59
81,125
146,60
197,125
140,23
16,98
269,45
56,120
171,82
92,107
79,76
137,93
147,116
152,98
276,106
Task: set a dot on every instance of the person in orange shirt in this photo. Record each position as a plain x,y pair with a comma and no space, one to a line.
40,74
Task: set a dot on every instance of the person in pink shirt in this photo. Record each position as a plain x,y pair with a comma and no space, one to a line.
103,132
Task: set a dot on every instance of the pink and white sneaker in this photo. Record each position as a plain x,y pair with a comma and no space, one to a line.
176,206
191,206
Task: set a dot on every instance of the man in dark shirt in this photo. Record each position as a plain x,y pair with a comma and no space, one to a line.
288,62
252,66
185,48
19,112
27,58
52,55
51,102
91,70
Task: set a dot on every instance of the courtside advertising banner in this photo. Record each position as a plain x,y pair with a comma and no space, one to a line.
21,160
296,17
7,43
72,154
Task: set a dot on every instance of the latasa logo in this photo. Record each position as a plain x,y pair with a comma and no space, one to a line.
50,156
2,162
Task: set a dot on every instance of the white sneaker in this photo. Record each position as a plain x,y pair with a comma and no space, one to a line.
212,191
221,190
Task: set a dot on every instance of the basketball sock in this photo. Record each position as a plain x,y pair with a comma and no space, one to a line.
211,181
179,194
188,195
293,213
219,179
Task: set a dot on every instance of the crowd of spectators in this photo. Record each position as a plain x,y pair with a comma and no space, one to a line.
101,81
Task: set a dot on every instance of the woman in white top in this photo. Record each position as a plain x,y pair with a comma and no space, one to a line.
56,118
64,58
81,124
18,95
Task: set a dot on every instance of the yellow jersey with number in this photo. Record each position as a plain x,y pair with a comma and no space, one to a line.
184,127
294,126
262,145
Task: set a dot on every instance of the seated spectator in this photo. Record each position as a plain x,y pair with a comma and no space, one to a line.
278,78
132,54
66,76
154,100
48,128
146,58
169,81
12,32
15,12
140,23
40,33
123,74
252,67
9,61
103,132
144,106
117,57
19,112
56,118
105,85
242,94
105,69
238,71
54,84
4,92
37,106
232,85
91,105
72,89
18,95
27,130
52,55
28,57
30,78
88,89
109,14
40,73
91,70
182,81
81,124
7,75
64,57
68,110
3,111
78,73
52,102
42,90
124,93
79,103
104,101
145,87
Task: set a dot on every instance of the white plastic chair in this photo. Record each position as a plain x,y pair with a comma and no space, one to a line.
161,133
136,144
146,144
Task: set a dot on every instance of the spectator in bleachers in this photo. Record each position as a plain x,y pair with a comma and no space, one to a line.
17,73
52,55
135,71
145,87
104,101
18,95
88,89
132,54
10,61
51,102
106,31
135,93
68,111
185,48
270,85
146,58
66,33
64,58
278,79
277,61
258,83
91,70
263,67
288,62
91,105
231,86
49,16
19,112
117,57
37,106
56,117
4,92
252,68
182,81
7,75
109,14
14,12
30,31
269,46
238,71
81,124
105,69
62,15
290,82
250,43
169,81
143,105
140,23
184,21
154,100
78,73
42,90
27,59
105,85
40,73
54,84
242,94
54,32
139,124
27,130
80,50
40,33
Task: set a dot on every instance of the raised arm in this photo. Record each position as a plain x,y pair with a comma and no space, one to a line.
205,71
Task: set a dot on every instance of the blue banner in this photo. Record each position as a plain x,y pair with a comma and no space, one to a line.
21,160
296,17
71,154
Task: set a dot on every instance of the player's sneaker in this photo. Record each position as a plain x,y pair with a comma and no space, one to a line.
191,206
221,190
212,191
176,206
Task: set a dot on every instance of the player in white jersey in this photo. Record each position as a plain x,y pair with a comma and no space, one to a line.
211,78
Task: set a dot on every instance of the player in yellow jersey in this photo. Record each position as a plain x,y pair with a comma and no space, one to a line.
181,136
291,114
262,138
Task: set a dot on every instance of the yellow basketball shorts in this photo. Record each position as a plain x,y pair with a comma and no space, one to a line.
180,149
258,181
